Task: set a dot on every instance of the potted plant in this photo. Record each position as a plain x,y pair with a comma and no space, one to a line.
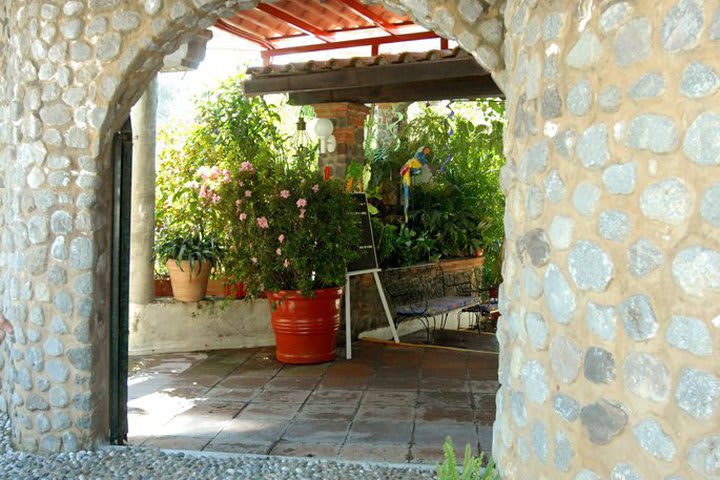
228,130
292,235
189,258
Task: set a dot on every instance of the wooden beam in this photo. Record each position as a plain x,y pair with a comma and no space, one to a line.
457,88
364,42
296,22
377,75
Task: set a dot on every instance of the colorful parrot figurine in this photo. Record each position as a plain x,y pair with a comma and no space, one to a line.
410,168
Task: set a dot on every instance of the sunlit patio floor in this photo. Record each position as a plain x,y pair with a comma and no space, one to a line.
388,403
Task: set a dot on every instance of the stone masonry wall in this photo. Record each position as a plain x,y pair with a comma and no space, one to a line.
613,262
610,332
71,70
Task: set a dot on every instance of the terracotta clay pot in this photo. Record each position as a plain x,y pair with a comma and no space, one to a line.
163,287
189,286
222,288
305,327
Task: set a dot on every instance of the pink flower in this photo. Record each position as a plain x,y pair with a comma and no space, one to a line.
253,259
248,193
285,193
301,203
262,222
278,251
203,191
281,238
316,188
247,167
227,176
204,172
302,213
243,216
238,203
241,183
215,199
214,172
286,263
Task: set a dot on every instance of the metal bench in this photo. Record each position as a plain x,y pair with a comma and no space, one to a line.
431,296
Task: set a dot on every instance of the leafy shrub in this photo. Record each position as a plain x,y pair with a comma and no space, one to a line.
471,468
229,130
461,211
288,229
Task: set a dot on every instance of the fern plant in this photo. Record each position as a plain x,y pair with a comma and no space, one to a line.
471,468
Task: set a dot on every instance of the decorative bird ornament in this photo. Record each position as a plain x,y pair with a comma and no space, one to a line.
409,169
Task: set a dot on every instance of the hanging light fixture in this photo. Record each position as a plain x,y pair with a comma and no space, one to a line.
301,140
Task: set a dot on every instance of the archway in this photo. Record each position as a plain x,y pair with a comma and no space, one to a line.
130,96
612,185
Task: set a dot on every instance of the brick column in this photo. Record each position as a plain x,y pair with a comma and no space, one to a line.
349,121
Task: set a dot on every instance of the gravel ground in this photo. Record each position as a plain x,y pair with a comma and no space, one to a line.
150,463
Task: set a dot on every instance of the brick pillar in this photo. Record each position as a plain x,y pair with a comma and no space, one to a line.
349,121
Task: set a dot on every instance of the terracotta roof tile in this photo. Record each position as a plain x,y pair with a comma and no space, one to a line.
355,62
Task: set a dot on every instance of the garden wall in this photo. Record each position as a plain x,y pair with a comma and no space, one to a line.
167,326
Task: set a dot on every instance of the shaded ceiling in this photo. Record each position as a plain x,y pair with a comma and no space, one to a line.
298,26
304,26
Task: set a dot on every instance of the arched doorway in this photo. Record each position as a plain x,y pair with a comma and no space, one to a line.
486,436
611,281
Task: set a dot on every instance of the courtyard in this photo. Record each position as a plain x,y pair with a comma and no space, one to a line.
387,404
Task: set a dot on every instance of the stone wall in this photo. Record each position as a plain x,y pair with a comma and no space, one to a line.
71,71
612,276
612,268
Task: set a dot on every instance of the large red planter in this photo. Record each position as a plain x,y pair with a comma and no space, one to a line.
305,327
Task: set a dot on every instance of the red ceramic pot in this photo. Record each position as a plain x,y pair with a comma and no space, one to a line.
305,327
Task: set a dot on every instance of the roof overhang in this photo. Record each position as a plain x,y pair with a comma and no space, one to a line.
434,75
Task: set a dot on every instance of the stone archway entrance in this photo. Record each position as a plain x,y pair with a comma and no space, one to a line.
486,431
611,282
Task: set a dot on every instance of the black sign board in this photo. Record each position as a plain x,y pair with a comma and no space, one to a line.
368,256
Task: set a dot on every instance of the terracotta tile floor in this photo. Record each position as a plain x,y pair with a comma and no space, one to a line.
388,403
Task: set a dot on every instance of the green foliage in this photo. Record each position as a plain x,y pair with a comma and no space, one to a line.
192,247
471,468
288,229
229,129
462,210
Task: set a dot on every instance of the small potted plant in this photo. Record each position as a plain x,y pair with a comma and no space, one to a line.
189,258
292,235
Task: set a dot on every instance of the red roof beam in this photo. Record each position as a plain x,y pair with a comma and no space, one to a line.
365,12
233,29
363,42
298,23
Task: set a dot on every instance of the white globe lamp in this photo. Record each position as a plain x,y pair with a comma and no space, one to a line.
323,129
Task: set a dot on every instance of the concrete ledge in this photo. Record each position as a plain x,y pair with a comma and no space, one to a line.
167,326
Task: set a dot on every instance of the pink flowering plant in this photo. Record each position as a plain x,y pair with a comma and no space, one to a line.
286,228
195,163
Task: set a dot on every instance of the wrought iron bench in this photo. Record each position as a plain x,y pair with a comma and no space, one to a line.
431,295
